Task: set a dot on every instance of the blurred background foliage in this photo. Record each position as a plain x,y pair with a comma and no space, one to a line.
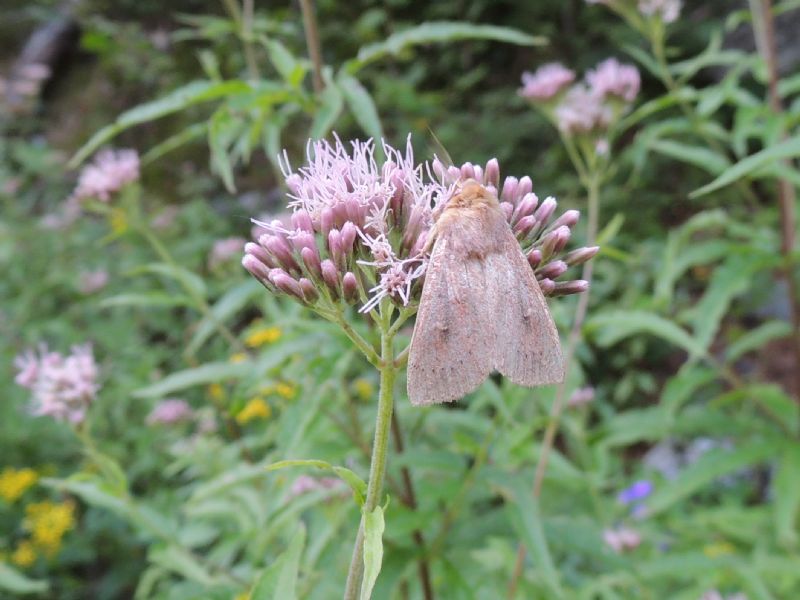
687,346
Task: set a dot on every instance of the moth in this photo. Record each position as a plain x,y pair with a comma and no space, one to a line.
481,308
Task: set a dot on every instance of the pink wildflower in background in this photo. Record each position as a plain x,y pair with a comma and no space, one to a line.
667,10
622,539
581,397
305,484
63,386
224,250
110,172
170,411
546,82
90,282
612,78
582,111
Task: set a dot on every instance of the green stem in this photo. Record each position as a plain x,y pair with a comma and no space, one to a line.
380,446
312,41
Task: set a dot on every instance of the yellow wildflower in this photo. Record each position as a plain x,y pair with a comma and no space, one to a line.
238,357
118,221
242,596
718,549
256,408
48,522
14,482
286,390
263,335
363,388
24,555
216,391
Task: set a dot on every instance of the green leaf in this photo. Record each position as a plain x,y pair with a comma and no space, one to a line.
709,467
178,560
173,142
786,495
15,582
279,580
374,525
611,327
439,32
283,60
361,106
202,375
786,149
146,299
179,99
191,282
755,338
221,129
358,485
699,156
331,104
228,305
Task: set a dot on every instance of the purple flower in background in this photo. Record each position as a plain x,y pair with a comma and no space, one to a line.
582,111
170,411
581,397
224,250
621,539
636,492
90,282
110,172
612,78
546,82
62,386
667,10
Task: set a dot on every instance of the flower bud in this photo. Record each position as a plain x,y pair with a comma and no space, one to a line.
303,239
534,258
354,211
335,247
526,206
285,283
555,241
523,227
491,175
570,218
525,186
348,237
293,183
331,277
309,290
255,267
302,220
467,171
509,193
260,253
326,221
547,286
581,255
311,261
350,287
280,249
478,173
546,210
564,288
552,269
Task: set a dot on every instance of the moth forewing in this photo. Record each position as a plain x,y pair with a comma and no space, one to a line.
481,307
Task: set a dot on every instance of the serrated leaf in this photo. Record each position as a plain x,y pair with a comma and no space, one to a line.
439,32
15,582
374,525
361,106
205,374
179,99
786,149
786,495
611,327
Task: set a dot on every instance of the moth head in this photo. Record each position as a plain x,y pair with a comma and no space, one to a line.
471,194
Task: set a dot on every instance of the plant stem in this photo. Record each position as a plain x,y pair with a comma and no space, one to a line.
764,32
411,497
593,192
312,42
380,447
244,21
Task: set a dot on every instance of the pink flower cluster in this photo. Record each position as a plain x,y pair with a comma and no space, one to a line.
169,412
590,106
546,82
224,250
63,386
358,231
110,172
666,10
622,539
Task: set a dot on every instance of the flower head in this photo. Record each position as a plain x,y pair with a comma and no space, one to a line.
635,492
170,411
666,10
546,82
612,78
358,231
582,111
110,172
62,386
622,539
14,482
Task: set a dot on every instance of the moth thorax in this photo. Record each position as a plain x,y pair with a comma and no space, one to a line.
471,194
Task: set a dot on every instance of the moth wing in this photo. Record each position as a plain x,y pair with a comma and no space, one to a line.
526,346
448,356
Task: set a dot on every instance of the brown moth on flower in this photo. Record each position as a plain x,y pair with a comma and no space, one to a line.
481,308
